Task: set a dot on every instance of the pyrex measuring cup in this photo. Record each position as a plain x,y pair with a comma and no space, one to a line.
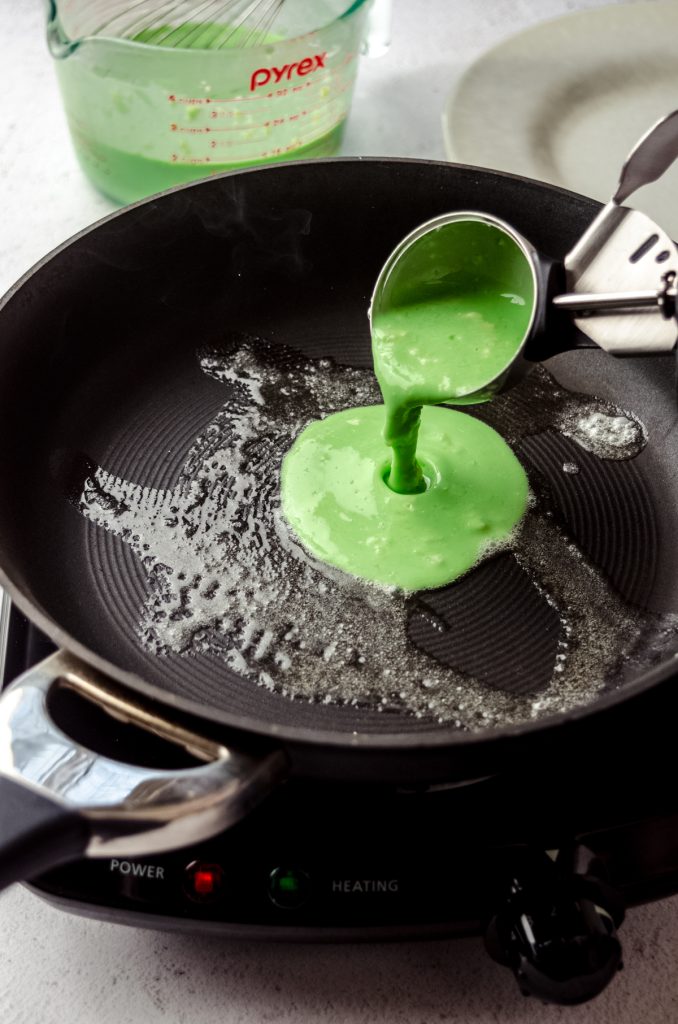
159,92
617,286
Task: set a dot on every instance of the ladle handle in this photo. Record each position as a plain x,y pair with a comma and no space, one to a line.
662,300
652,155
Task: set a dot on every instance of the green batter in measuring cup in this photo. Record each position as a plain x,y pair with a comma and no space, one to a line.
406,494
157,94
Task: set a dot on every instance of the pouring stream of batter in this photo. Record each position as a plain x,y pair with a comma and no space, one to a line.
450,488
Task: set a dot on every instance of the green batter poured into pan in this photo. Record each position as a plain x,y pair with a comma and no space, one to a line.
408,496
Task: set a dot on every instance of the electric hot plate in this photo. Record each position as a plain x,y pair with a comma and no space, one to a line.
323,861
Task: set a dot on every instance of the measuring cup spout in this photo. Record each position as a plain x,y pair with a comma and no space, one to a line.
60,45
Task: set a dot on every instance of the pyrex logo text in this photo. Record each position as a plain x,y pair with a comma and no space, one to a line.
262,76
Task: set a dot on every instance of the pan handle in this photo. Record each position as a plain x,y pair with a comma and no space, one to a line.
60,801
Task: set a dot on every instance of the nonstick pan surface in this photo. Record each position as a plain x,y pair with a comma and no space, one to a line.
98,367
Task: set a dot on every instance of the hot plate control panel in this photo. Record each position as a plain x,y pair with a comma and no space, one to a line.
312,864
238,881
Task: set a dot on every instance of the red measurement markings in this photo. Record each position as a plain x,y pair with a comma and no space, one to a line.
175,158
194,101
319,129
217,113
301,114
317,82
190,131
201,100
274,122
298,145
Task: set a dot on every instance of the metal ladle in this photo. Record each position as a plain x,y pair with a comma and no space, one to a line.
617,286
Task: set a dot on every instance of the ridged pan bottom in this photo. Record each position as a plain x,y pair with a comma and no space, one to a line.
498,625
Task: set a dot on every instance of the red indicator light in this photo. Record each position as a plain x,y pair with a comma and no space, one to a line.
203,881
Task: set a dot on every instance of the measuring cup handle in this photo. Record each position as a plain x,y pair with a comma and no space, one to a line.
378,38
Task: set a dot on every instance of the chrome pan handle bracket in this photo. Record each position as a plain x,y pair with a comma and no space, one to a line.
623,250
127,810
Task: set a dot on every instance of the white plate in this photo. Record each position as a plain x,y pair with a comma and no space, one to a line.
566,100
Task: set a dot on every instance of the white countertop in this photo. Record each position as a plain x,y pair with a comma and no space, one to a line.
56,968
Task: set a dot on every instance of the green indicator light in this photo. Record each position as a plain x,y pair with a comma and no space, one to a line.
289,888
288,883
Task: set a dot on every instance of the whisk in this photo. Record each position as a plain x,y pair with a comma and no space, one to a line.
210,24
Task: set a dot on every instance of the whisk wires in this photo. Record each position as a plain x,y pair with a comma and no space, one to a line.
196,24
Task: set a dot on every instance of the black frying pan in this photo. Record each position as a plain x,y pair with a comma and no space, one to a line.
97,365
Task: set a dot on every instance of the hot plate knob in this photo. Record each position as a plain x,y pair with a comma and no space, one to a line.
557,932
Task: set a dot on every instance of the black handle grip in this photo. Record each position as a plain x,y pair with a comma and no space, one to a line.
35,833
552,331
